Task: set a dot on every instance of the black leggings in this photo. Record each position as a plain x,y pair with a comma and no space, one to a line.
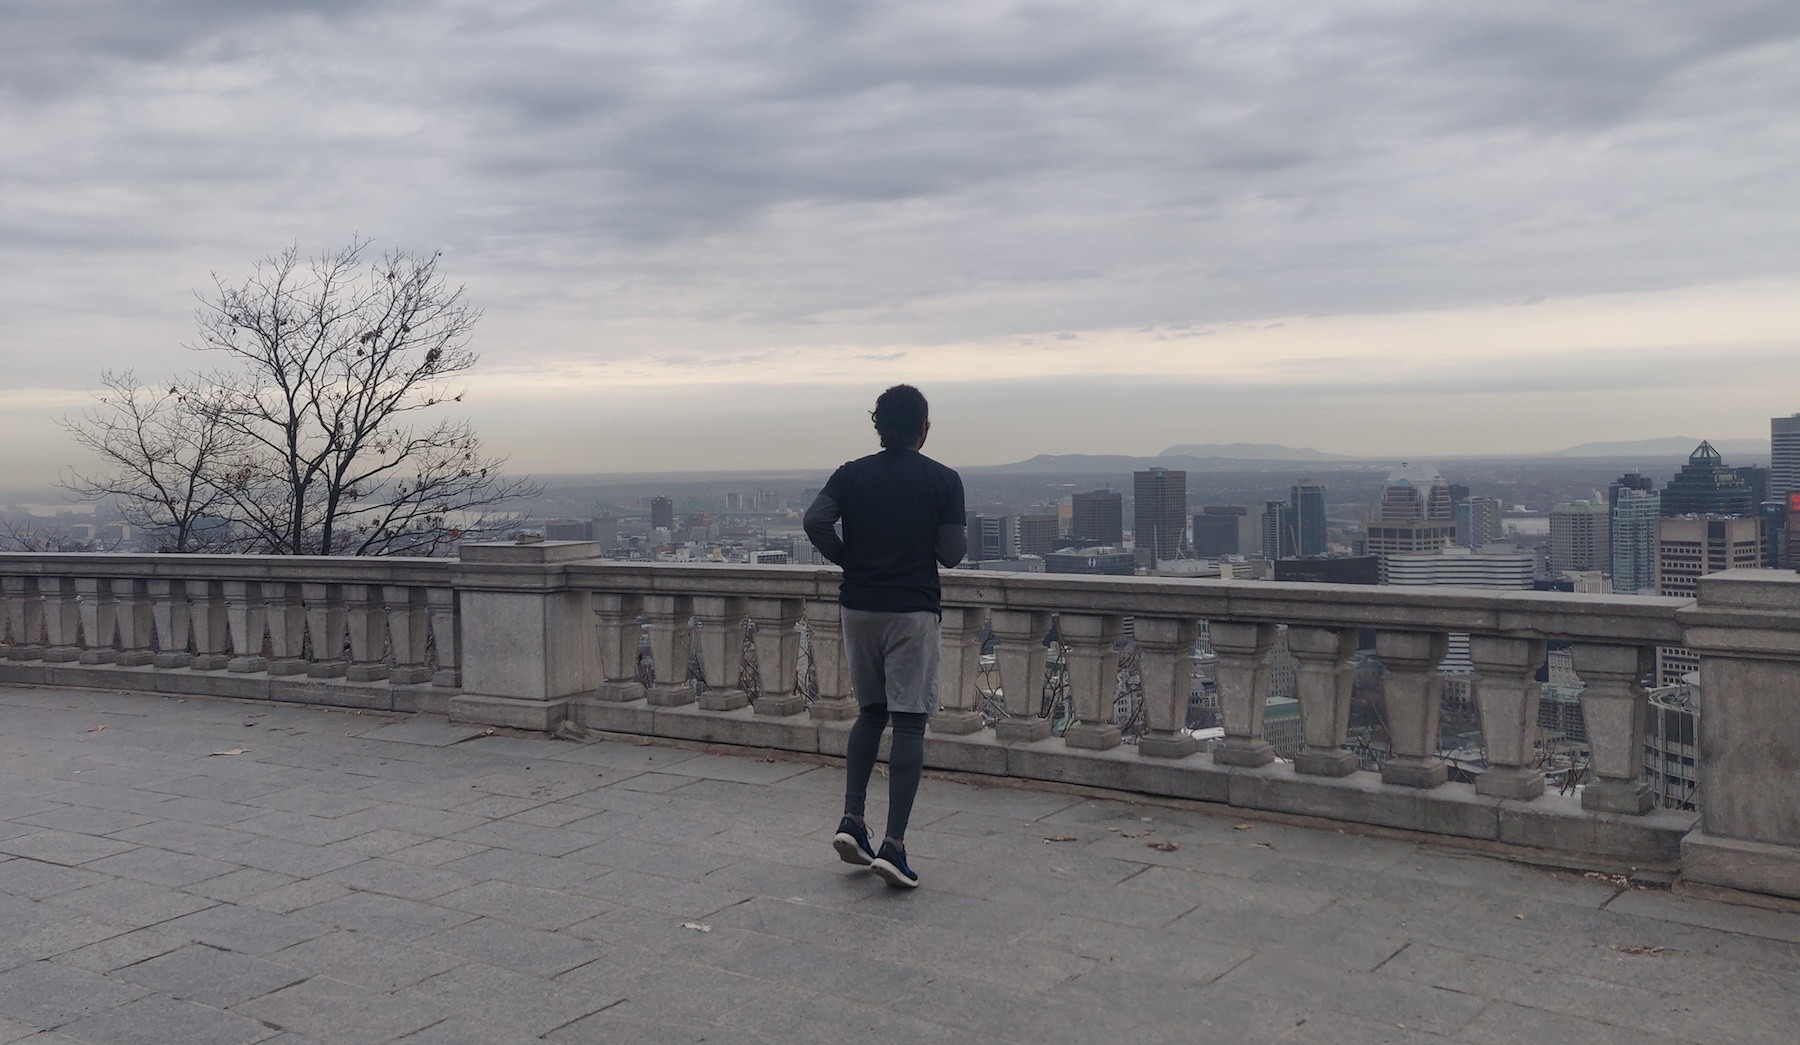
906,762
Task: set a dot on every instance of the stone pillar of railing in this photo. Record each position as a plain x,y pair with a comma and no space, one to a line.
671,645
1088,639
19,641
132,616
287,628
1745,627
825,631
99,616
172,621
1243,678
1614,707
1168,677
1021,658
959,711
719,634
365,614
62,619
212,634
246,615
446,636
1507,694
407,634
777,655
1323,682
325,623
528,636
616,618
1414,692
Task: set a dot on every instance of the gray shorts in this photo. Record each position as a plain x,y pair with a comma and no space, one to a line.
894,658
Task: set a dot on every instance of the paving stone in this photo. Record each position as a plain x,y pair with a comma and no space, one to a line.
1504,1024
436,852
158,1021
294,896
211,976
524,838
393,878
238,885
671,896
378,843
132,904
467,1030
516,947
525,905
332,1011
245,929
63,847
553,814
36,879
81,820
368,961
545,872
161,866
1354,992
643,1025
511,998
312,801
423,732
46,995
385,916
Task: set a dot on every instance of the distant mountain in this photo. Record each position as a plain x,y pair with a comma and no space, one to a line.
1665,446
1071,464
1250,452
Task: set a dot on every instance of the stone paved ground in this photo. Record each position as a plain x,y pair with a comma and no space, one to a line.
197,871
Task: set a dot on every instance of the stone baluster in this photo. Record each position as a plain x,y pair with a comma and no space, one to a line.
325,626
1323,680
287,628
364,612
247,617
671,644
825,628
1168,677
1614,706
1088,640
1414,693
1507,694
212,634
719,632
62,619
778,656
616,616
99,616
25,618
958,671
405,610
1243,679
173,623
1020,659
446,636
133,617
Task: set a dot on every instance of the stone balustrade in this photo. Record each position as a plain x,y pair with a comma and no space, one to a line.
539,636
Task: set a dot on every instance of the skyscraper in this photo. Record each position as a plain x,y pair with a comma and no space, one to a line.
1706,486
1628,481
1633,545
1415,515
1037,533
1279,531
1159,512
1098,518
1216,534
662,513
1784,457
1308,500
1689,547
1477,521
1580,537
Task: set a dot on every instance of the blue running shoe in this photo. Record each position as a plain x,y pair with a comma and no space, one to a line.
890,864
852,843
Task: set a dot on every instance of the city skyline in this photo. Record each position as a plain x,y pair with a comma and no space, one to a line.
1373,230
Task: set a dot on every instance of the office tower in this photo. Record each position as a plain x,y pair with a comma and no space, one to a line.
1784,457
1580,537
1216,534
1628,481
662,514
1098,518
1415,515
993,537
1633,544
1279,535
568,530
1689,547
1159,512
1477,521
1706,486
1037,533
1308,500
1496,567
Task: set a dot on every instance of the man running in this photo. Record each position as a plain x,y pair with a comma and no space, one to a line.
902,516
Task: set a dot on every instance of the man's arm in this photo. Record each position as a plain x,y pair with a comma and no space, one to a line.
821,528
953,532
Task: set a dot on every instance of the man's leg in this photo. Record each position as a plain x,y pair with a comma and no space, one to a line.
859,756
862,647
906,764
913,654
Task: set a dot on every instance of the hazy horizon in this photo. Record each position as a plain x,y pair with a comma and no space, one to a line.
706,235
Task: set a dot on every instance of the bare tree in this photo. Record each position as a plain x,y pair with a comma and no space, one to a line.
328,367
166,460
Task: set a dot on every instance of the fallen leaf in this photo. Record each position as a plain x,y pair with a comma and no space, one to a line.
1163,847
1059,838
1265,845
96,729
1145,819
1242,827
232,751
698,926
1645,950
1135,834
1518,917
1112,829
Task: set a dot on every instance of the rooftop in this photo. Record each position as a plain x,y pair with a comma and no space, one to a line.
202,870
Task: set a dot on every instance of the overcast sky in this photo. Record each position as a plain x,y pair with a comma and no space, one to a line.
706,234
